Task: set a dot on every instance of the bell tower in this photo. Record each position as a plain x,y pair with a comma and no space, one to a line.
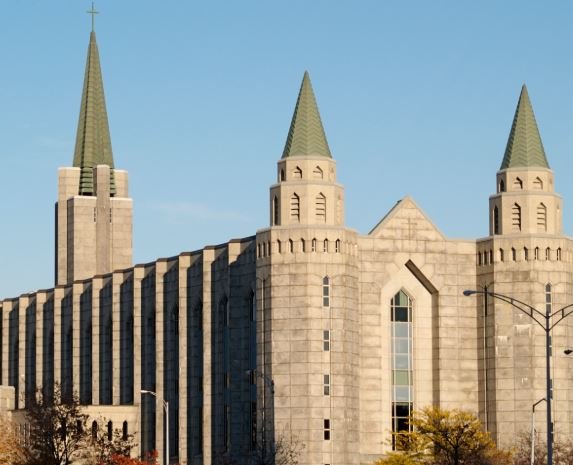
93,211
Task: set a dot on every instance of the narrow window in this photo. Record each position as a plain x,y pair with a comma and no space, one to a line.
541,218
479,258
536,253
109,430
276,220
516,217
491,257
495,220
513,254
326,291
518,184
326,340
295,208
303,245
402,363
227,427
268,247
124,432
547,253
314,245
538,184
320,203
501,186
526,253
485,258
326,385
290,246
253,425
279,246
326,429
259,254
325,246
282,175
317,173
501,255
559,254
337,246
94,429
297,173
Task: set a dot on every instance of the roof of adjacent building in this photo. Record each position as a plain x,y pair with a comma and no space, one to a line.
306,135
524,146
93,141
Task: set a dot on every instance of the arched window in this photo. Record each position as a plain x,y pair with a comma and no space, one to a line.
402,355
295,208
320,203
279,246
516,217
94,429
313,248
479,258
297,173
501,257
526,253
491,256
282,175
317,173
325,246
495,220
517,184
559,254
268,247
303,245
538,184
485,258
290,246
337,246
109,430
124,432
259,250
276,216
513,254
326,291
547,253
541,218
536,253
501,186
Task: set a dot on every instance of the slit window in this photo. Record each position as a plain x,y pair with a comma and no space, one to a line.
326,291
327,429
326,340
326,385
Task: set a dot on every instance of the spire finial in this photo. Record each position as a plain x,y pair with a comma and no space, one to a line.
93,12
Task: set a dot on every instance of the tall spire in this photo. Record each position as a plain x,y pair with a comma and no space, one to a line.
93,141
306,134
524,146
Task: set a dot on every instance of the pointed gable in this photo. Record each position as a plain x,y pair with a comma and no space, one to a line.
93,140
406,221
306,135
524,146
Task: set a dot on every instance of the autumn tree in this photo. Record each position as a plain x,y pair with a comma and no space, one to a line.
446,437
57,427
11,451
562,451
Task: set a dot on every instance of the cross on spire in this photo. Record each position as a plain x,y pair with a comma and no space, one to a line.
93,12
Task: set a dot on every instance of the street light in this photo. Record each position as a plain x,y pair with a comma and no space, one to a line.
533,429
166,416
547,321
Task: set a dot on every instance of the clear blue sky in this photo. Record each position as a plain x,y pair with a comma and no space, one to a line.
417,98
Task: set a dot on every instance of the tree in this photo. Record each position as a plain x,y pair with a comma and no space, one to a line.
562,451
106,450
57,428
446,437
11,451
284,451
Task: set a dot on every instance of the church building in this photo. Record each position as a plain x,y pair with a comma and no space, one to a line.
307,334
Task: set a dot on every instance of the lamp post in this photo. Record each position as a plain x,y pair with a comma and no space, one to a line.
533,429
166,416
546,320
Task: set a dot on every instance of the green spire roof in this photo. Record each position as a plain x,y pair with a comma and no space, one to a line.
93,142
306,134
524,146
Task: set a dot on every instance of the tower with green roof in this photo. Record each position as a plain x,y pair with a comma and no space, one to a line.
93,211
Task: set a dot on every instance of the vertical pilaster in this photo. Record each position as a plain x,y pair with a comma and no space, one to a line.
41,299
97,286
6,307
138,274
117,279
59,293
184,264
208,258
160,270
23,303
77,290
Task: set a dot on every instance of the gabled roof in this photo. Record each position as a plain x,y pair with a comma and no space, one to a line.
306,134
524,146
93,141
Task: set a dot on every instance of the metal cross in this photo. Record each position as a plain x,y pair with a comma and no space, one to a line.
93,12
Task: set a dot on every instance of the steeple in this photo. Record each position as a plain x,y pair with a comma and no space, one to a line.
93,141
524,147
306,134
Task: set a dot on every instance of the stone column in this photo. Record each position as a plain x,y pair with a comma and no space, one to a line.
77,289
59,293
97,286
184,264
23,303
117,279
41,299
138,274
160,270
208,258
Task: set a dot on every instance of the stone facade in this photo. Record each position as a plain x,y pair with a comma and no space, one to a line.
307,332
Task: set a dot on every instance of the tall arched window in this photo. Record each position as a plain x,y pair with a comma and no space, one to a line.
94,430
495,220
313,248
559,254
547,253
320,203
402,357
124,431
516,217
109,430
276,216
541,218
337,246
536,253
295,208
303,245
325,246
290,246
501,186
282,175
